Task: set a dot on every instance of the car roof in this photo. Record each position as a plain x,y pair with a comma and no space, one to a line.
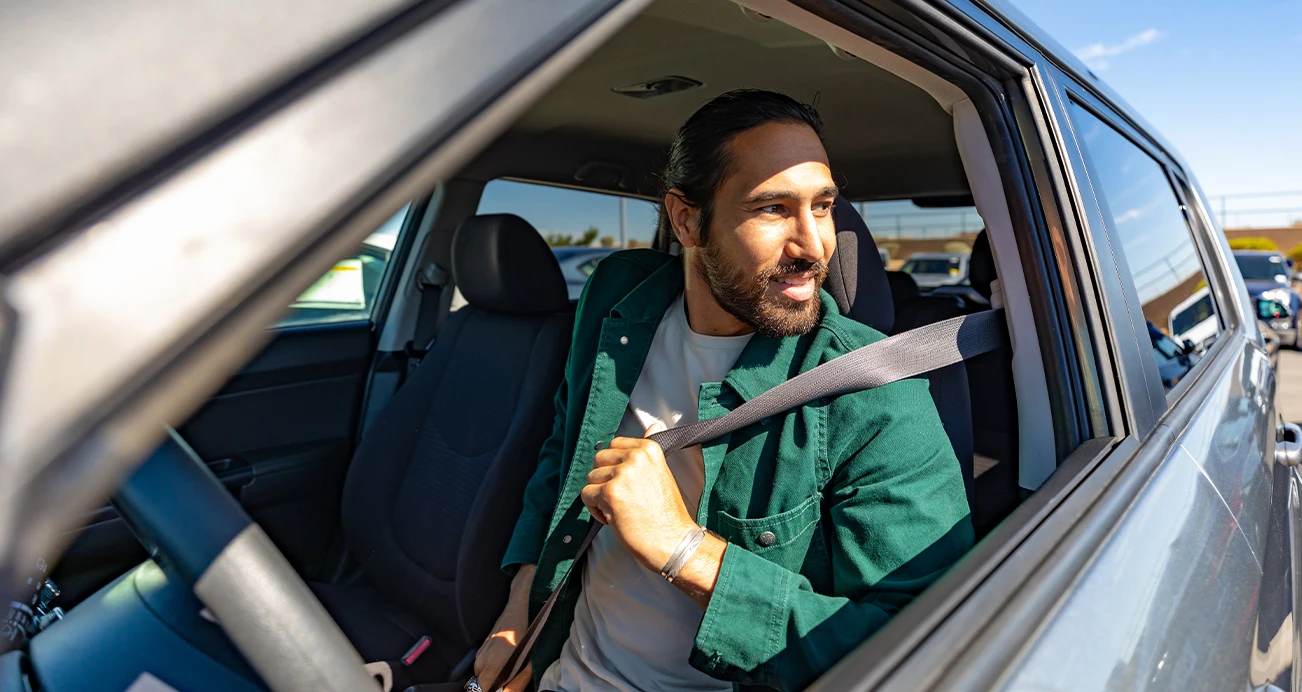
1255,253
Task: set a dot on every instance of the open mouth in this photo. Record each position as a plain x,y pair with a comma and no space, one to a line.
798,287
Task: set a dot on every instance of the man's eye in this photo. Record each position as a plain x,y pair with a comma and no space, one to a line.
772,209
821,208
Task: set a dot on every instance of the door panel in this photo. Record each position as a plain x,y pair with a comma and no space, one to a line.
279,435
1167,604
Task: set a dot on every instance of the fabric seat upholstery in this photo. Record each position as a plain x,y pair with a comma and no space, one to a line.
861,287
994,407
437,482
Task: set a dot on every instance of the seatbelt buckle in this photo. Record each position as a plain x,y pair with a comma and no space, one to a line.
416,651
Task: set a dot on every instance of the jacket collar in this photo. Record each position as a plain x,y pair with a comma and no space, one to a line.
765,362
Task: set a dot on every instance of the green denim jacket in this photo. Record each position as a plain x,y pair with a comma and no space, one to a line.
862,491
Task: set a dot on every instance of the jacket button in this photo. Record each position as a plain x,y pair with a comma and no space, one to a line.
598,445
766,539
623,341
566,538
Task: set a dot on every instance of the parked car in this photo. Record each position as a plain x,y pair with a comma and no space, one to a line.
1193,322
1268,276
577,264
932,269
323,501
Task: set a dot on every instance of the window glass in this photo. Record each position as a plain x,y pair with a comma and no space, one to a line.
1262,267
347,292
581,227
1138,201
928,238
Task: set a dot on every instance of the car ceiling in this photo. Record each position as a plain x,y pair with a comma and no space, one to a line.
886,138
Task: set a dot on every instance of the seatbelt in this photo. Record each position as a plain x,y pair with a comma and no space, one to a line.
433,283
899,357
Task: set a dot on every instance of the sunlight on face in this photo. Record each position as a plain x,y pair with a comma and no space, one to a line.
766,252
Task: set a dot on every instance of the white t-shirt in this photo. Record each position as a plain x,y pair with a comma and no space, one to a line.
632,629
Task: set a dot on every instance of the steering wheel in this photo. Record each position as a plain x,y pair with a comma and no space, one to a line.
181,512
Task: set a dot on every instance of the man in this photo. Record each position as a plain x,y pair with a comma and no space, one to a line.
823,522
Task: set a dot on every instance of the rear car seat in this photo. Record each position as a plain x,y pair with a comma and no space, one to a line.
857,280
437,482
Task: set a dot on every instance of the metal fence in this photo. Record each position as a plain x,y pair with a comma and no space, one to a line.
1243,210
1258,209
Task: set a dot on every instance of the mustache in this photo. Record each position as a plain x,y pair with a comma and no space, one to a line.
795,267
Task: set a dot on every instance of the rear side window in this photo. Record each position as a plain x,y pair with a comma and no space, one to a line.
1159,250
581,227
347,293
930,239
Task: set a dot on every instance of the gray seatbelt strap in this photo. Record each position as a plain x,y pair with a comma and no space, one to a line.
899,357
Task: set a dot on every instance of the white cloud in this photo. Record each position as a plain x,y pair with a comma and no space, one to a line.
1095,55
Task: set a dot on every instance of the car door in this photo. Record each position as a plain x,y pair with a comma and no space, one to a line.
280,433
1169,601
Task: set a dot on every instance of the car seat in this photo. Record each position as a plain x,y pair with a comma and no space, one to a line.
436,485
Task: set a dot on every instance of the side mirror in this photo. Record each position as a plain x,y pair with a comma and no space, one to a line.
1189,346
1271,310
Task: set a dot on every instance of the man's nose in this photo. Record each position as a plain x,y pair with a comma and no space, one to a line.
806,242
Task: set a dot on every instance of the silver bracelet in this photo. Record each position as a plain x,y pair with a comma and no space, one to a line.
682,554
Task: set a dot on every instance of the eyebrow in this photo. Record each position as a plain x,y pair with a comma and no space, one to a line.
830,191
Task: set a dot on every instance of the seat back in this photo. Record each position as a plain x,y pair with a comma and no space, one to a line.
437,483
860,284
994,407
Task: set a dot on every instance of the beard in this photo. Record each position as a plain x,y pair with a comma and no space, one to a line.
746,297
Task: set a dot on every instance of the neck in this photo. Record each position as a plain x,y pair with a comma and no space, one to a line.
704,314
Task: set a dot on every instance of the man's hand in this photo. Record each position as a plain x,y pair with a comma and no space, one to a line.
506,634
632,491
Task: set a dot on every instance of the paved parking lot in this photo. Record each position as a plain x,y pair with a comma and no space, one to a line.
1288,390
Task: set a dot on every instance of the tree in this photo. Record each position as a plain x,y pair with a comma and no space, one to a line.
1253,244
589,236
607,241
559,239
1296,253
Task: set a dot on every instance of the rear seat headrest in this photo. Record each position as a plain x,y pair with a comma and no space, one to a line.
856,277
981,265
501,263
903,287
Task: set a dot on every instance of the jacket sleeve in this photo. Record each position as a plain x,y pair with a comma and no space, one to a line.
896,517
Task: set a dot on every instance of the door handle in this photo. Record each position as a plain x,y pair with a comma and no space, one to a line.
1288,444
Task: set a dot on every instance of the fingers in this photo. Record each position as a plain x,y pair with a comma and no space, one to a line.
592,498
602,474
654,428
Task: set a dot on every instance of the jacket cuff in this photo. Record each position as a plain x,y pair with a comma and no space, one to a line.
744,622
526,544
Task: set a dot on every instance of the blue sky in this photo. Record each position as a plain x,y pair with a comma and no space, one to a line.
1221,80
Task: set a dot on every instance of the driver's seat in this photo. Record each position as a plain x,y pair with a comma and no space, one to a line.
436,485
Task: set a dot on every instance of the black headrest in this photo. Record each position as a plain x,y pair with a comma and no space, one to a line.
856,277
502,264
903,287
981,265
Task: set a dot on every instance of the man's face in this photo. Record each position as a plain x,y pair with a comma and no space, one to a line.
765,254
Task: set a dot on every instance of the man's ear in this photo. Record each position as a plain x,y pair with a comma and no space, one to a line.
684,218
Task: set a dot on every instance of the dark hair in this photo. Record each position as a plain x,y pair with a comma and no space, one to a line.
700,159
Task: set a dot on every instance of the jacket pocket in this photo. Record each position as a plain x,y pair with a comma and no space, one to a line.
782,538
